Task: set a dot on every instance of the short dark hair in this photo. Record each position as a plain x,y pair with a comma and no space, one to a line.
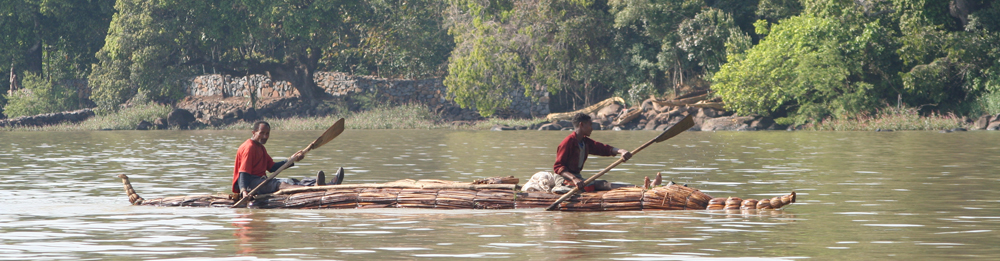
580,117
256,125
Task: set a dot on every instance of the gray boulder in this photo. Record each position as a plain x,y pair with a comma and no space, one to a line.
732,123
763,123
502,128
180,118
143,125
994,125
160,123
983,122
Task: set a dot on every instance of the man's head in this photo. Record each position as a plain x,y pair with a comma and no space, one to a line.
261,131
582,122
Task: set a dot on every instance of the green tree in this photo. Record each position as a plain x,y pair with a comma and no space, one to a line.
703,38
53,39
655,54
154,46
777,10
40,96
806,66
505,48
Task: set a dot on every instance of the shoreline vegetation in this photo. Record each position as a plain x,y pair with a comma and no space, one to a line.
395,117
420,117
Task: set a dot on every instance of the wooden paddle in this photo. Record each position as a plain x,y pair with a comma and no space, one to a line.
681,126
327,136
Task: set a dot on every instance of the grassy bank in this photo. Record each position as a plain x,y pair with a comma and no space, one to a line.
125,119
399,117
891,119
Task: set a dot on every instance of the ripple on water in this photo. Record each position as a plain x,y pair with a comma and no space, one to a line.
403,248
365,232
601,231
511,244
893,225
475,255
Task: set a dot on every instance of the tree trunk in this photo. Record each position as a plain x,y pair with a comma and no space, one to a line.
33,56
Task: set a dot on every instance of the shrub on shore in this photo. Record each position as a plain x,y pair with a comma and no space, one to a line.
124,119
891,118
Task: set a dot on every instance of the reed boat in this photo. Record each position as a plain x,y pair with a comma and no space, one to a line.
490,193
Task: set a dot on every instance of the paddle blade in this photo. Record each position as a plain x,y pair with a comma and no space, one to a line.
681,126
327,136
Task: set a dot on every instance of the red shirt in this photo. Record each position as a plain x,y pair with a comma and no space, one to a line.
251,158
570,156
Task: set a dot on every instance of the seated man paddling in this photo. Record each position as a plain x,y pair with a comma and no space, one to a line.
253,162
570,156
573,151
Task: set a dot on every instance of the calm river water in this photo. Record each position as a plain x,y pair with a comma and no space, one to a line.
862,195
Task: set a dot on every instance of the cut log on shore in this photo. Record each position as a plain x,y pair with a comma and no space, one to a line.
440,194
590,109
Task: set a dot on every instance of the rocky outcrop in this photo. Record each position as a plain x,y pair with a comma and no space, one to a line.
659,115
49,118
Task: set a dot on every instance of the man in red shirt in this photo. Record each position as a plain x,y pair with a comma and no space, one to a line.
573,151
253,162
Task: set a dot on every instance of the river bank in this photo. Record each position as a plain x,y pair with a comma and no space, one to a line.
414,116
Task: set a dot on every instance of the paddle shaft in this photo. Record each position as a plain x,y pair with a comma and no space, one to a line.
598,175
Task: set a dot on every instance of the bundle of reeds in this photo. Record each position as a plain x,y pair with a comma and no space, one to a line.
498,180
675,197
535,199
417,198
590,201
733,203
716,204
455,199
749,204
494,199
190,201
312,199
622,199
133,197
377,198
340,198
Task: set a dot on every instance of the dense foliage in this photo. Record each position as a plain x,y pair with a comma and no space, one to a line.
52,40
801,59
152,46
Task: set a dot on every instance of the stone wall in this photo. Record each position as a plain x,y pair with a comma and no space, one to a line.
227,86
430,92
48,118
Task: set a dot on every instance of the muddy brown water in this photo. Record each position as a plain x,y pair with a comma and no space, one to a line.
862,195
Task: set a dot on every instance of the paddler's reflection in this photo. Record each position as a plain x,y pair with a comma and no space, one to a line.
251,229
